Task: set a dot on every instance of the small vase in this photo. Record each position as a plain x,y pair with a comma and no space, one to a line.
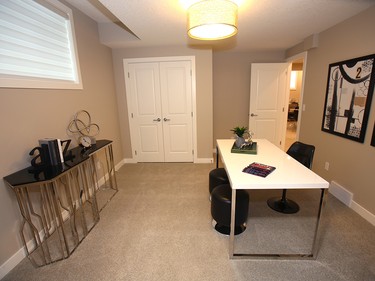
239,141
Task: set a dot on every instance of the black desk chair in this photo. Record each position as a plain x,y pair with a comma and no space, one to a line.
221,209
304,154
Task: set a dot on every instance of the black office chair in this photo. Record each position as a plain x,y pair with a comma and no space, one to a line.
304,154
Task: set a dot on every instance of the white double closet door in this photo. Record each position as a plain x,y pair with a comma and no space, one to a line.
159,97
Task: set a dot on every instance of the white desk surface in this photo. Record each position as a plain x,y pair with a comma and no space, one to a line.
289,173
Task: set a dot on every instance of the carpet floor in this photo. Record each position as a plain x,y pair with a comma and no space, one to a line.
159,227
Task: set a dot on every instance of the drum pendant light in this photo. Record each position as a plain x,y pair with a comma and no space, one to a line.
212,19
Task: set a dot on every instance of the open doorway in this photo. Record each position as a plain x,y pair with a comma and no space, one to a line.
294,103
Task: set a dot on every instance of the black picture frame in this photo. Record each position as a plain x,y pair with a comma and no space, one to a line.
350,87
373,136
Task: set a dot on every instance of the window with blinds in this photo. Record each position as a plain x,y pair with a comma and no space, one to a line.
37,45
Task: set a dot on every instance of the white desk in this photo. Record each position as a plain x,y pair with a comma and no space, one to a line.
269,154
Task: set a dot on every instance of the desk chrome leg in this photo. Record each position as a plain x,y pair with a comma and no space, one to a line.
232,224
315,246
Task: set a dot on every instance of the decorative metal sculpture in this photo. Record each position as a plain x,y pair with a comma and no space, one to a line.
82,125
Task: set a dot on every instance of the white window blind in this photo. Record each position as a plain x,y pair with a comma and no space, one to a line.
37,45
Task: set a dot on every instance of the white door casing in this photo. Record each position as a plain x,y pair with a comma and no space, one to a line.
159,96
302,56
268,101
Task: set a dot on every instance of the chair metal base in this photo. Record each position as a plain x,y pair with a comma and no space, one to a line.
281,205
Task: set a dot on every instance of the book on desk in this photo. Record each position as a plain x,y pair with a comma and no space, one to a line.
259,169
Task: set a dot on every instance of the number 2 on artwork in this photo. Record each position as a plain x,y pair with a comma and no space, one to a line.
359,70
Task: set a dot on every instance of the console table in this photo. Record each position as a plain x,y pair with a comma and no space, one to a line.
59,205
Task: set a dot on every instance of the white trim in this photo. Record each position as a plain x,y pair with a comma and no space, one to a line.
120,164
196,161
341,193
130,161
194,107
363,212
204,160
12,262
126,63
346,197
303,56
17,79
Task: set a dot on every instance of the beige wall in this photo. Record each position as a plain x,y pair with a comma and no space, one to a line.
222,102
203,63
232,88
352,164
27,115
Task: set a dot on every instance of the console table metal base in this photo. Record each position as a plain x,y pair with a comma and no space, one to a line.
59,209
61,216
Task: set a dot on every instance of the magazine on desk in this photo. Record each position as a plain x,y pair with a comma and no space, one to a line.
259,169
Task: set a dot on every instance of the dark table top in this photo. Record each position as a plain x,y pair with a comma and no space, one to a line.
72,158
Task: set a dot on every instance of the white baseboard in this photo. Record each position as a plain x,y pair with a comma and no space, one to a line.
346,197
12,262
120,164
363,212
129,161
204,160
198,161
341,193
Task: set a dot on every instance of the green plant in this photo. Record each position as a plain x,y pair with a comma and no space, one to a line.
240,131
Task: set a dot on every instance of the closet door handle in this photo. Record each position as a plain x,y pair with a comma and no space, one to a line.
157,120
253,115
166,119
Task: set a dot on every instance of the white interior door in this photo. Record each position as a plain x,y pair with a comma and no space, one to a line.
268,101
159,98
146,115
177,111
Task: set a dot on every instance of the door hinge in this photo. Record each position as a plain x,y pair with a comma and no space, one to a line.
191,72
192,114
283,109
135,152
192,151
128,74
132,115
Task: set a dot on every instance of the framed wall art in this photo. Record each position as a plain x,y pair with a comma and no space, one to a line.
373,136
350,86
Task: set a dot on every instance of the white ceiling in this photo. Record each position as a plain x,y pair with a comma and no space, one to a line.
262,24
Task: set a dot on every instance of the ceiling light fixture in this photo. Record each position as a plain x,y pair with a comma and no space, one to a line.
212,19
